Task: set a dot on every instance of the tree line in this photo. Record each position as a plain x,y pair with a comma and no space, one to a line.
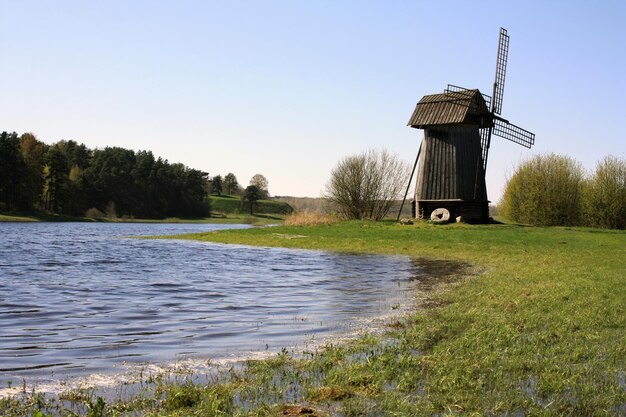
69,178
249,196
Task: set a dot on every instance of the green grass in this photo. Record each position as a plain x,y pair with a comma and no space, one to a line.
16,218
39,216
232,204
542,331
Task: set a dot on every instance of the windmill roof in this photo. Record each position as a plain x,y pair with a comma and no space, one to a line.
457,107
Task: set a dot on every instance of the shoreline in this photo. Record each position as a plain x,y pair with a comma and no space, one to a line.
216,218
541,330
133,376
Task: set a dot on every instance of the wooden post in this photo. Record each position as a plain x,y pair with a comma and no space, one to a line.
409,184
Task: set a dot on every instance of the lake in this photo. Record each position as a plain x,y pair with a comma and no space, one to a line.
83,300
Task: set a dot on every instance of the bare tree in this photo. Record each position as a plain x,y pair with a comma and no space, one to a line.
261,183
365,186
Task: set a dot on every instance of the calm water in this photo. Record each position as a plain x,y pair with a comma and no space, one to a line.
80,298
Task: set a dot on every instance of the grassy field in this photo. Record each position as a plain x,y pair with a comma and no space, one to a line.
541,331
7,216
232,204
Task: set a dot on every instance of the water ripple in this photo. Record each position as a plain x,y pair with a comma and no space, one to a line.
78,299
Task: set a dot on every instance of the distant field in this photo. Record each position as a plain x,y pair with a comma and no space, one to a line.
7,216
320,205
16,218
232,204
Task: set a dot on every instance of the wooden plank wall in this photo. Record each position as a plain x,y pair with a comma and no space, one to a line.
450,165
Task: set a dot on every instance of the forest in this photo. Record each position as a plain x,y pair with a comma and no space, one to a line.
69,178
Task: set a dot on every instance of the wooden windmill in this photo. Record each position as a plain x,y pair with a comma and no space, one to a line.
452,159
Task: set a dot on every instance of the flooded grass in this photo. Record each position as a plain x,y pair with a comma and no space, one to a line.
542,331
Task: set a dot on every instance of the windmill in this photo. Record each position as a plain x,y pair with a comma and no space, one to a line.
452,159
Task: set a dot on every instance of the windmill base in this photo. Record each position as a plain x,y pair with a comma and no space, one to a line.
469,211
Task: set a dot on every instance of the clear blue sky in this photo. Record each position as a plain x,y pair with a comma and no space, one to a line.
287,88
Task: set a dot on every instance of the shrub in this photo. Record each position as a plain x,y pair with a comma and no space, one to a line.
545,191
605,195
365,186
110,210
94,213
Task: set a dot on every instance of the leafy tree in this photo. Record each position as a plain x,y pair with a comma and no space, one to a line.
250,196
365,186
34,155
64,182
230,184
162,182
216,185
145,190
56,191
605,195
190,187
109,179
77,203
76,154
12,171
545,191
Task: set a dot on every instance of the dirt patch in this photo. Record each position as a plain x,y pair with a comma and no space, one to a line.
298,410
434,276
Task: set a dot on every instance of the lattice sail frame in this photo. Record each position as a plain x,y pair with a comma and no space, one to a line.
501,60
513,133
507,131
485,138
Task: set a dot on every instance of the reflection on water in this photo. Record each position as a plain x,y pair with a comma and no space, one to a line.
78,299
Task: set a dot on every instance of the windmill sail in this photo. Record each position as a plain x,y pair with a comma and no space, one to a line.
513,133
498,85
485,137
